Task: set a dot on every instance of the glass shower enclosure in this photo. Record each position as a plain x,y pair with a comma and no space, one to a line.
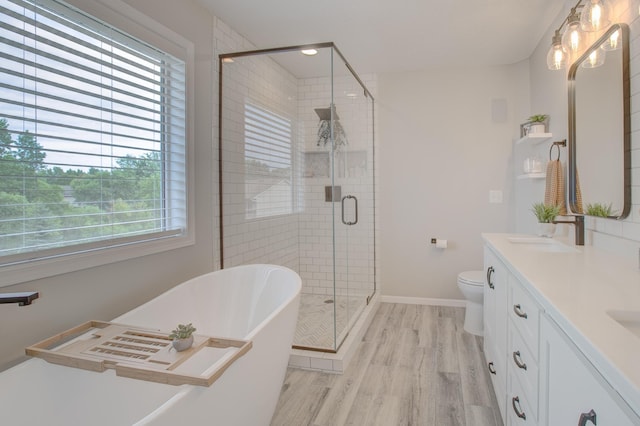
297,179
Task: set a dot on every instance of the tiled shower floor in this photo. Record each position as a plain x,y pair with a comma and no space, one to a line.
315,319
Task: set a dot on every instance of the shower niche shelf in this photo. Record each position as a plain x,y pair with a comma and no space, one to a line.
347,164
140,353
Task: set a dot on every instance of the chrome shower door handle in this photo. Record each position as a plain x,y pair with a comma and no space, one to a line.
356,205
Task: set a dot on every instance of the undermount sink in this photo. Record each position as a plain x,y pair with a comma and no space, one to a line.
628,319
542,244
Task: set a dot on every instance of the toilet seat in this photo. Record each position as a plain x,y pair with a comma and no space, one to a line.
475,278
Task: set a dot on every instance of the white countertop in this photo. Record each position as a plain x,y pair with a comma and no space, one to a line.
577,289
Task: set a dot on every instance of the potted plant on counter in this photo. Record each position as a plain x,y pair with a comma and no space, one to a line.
537,123
182,337
545,215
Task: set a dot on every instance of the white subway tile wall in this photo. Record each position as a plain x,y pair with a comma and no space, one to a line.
261,82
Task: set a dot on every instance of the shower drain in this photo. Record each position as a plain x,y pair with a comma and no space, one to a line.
328,301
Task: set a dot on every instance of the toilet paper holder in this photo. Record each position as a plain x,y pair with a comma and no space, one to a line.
439,243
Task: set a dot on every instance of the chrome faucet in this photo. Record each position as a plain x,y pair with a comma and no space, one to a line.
22,298
578,224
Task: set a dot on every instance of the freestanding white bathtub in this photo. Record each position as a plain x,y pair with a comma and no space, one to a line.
254,302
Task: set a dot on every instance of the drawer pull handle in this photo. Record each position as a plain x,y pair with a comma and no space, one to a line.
587,417
492,370
518,409
518,310
518,360
490,272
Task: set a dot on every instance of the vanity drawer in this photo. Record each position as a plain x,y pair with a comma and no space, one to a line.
524,367
524,312
519,411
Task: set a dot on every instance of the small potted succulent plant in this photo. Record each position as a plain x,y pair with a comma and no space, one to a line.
537,123
182,337
546,214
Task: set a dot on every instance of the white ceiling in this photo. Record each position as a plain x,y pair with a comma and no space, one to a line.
397,35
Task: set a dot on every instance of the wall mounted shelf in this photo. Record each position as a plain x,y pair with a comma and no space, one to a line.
534,138
532,176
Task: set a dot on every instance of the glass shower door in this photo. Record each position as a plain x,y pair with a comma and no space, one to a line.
354,216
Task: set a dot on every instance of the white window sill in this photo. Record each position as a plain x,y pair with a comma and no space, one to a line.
43,268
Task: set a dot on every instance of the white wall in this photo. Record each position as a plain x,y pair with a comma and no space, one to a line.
549,95
446,139
107,291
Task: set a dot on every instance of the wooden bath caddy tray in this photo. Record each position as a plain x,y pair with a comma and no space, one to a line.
133,352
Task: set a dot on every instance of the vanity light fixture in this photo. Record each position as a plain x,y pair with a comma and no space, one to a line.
589,17
595,15
309,52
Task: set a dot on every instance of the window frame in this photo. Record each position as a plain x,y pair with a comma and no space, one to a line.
129,20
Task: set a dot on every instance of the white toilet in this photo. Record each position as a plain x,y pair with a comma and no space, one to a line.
471,284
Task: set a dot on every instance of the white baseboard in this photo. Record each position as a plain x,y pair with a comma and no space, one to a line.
458,303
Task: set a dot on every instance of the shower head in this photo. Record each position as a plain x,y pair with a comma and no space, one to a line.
325,113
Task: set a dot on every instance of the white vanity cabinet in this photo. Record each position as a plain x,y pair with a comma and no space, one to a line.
574,391
540,374
495,324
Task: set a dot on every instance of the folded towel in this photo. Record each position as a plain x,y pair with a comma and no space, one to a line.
554,188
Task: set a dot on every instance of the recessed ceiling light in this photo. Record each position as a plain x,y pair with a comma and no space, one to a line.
309,52
227,60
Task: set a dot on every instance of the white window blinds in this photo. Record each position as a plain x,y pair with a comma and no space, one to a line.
92,134
268,165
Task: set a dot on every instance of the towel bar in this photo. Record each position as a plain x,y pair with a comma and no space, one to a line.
557,144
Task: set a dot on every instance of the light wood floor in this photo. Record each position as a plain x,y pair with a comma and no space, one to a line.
414,366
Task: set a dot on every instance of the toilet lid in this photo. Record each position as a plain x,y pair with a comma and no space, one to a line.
472,277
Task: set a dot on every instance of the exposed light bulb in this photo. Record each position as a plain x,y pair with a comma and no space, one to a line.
573,38
557,56
595,15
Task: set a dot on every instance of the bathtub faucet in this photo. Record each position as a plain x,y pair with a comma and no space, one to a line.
578,223
22,298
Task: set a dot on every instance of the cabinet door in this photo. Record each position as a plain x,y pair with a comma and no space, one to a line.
572,390
495,324
498,372
495,299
